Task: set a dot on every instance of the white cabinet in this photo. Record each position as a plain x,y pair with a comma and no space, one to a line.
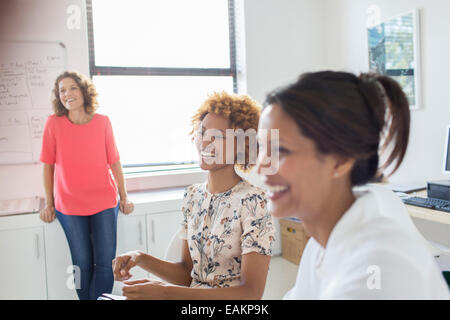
150,233
35,261
22,264
60,279
131,235
161,228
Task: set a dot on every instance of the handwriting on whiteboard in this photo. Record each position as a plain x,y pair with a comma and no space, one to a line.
27,74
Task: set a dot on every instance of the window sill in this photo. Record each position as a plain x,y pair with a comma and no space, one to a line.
164,179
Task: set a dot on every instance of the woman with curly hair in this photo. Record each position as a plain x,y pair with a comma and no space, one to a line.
78,152
227,231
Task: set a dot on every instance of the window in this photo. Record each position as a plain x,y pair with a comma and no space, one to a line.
153,63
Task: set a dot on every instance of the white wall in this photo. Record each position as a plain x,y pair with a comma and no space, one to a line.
284,38
43,20
346,49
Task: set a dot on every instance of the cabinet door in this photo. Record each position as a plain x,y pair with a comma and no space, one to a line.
161,228
22,267
60,276
131,235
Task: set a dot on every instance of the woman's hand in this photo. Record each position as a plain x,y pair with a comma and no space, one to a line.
122,265
126,206
144,289
47,214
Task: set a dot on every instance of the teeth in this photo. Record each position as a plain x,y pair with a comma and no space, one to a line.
204,154
275,189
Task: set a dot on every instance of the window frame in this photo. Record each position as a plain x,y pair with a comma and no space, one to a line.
165,71
95,70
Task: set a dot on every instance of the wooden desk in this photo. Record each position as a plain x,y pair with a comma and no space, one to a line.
428,214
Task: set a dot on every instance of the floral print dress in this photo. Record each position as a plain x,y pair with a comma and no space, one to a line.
222,227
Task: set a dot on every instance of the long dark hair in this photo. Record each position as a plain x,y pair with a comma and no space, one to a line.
348,115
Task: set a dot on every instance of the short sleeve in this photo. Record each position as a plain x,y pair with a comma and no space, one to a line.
258,233
48,151
186,209
112,153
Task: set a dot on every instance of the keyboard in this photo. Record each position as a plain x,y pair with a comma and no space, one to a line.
430,203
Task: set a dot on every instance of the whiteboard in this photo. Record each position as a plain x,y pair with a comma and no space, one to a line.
27,74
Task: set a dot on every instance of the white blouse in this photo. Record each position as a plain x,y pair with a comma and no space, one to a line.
220,228
373,252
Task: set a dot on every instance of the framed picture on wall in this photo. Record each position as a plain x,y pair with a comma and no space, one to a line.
394,50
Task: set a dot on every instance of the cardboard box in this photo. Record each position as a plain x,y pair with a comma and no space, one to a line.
293,239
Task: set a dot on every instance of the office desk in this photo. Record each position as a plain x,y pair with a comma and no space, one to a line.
428,214
434,225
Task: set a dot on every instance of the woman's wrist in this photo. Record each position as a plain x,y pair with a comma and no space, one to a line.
123,197
168,291
140,257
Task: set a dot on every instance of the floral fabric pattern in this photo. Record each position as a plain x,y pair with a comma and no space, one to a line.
220,228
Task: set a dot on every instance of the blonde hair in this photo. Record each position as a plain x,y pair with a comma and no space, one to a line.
87,88
242,111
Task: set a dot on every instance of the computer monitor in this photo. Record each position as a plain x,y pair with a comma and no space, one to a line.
447,151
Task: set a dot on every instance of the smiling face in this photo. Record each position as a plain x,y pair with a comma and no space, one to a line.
304,177
70,95
211,142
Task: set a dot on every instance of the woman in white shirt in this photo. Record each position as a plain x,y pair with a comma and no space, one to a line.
363,244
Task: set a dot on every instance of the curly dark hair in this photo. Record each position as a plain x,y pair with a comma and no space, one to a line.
242,111
87,88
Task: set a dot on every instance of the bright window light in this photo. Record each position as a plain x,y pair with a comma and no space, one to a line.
161,33
151,116
154,62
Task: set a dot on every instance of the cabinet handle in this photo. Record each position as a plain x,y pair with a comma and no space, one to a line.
153,231
36,242
140,233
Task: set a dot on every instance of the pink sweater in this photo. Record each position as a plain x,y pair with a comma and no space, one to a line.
82,155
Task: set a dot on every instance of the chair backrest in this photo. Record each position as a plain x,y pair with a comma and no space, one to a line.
173,251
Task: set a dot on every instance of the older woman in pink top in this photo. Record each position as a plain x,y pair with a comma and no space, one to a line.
79,153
